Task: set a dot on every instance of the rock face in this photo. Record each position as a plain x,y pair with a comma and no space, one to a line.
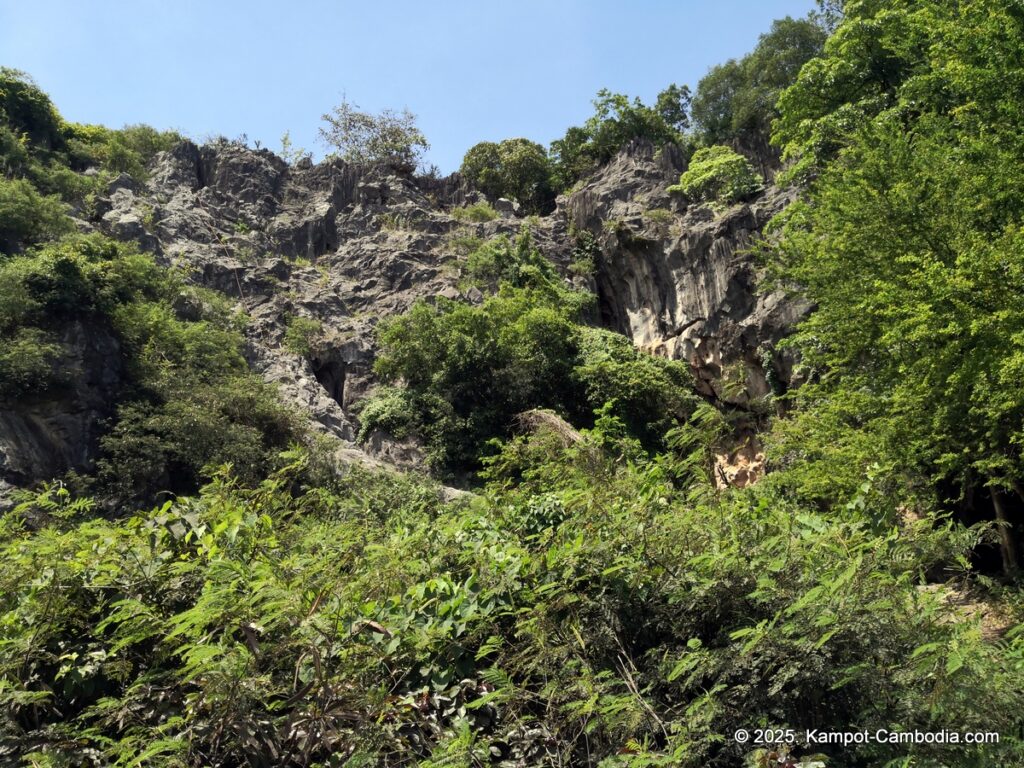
350,245
680,281
41,438
343,244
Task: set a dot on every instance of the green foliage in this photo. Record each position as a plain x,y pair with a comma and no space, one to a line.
514,168
649,394
127,150
516,263
600,600
616,121
290,153
470,370
386,137
909,242
587,612
673,105
27,362
26,217
659,216
187,399
718,174
37,145
392,410
27,110
477,213
301,335
735,101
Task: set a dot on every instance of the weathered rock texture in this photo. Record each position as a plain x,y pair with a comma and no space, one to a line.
681,281
349,245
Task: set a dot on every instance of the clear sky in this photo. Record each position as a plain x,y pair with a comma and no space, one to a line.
470,71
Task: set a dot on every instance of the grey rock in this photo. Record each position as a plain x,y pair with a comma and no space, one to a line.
352,245
680,281
506,207
45,434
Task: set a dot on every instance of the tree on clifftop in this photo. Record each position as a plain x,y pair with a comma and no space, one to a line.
363,137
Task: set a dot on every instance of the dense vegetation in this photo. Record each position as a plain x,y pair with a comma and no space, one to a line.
183,396
599,600
469,370
718,174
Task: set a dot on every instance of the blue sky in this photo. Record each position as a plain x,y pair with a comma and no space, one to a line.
470,71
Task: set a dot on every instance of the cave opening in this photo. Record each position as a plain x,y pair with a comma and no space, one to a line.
331,375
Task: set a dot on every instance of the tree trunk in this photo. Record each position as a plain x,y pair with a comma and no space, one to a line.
1007,536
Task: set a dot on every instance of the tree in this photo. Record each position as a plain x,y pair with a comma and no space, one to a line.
910,242
735,101
673,105
515,168
616,121
386,137
718,174
28,110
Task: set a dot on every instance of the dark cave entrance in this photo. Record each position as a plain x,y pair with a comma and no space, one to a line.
331,375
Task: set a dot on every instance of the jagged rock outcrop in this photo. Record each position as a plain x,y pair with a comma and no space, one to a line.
680,280
350,245
343,244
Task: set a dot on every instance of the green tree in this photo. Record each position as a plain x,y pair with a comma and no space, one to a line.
673,105
363,137
28,110
909,243
616,121
514,168
735,101
718,174
26,217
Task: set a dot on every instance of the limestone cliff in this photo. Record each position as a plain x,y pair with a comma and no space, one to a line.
349,245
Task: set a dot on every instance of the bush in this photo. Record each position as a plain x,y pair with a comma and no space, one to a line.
477,213
391,410
128,150
26,217
283,623
27,358
516,263
718,174
189,399
515,168
616,121
27,110
470,370
301,334
361,137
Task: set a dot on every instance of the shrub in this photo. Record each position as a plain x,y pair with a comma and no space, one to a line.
189,399
301,334
362,137
390,410
27,358
515,168
27,110
470,370
616,121
127,150
718,174
477,212
26,217
516,263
